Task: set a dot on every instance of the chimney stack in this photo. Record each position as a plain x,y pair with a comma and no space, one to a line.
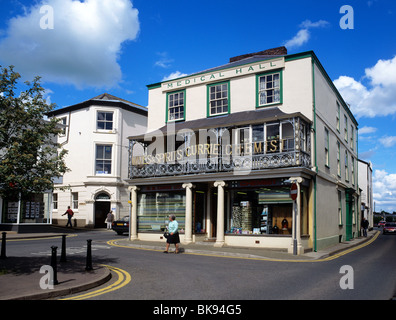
280,51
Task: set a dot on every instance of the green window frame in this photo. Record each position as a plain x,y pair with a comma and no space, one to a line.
218,99
176,106
269,88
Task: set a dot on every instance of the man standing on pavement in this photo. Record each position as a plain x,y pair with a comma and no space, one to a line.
70,214
365,225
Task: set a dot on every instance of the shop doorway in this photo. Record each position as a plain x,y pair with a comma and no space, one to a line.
348,218
101,208
199,226
213,213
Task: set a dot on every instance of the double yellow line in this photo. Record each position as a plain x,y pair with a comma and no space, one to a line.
123,279
328,258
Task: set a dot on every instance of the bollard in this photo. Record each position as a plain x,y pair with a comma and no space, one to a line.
88,266
54,281
3,246
63,254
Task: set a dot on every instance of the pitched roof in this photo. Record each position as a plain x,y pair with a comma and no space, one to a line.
104,99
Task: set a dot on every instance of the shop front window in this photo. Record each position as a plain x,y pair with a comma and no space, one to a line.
154,209
261,211
32,209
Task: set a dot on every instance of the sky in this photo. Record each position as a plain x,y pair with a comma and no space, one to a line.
81,49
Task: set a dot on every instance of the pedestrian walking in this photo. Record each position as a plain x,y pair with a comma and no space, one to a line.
173,229
109,220
365,225
70,215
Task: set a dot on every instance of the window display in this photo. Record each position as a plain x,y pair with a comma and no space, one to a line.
154,209
32,209
261,211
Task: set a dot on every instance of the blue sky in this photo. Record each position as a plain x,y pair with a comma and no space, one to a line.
120,46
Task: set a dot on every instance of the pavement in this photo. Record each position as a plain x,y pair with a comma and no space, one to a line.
20,277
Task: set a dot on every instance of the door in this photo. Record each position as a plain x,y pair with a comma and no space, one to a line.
102,208
348,217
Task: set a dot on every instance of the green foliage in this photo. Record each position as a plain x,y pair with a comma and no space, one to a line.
30,156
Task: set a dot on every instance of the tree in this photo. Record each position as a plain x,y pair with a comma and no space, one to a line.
30,157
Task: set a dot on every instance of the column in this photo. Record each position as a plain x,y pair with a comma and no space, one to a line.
296,231
133,213
220,213
188,224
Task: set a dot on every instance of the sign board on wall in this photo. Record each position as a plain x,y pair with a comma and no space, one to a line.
224,74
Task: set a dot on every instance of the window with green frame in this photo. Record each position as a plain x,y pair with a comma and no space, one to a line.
269,88
218,98
175,105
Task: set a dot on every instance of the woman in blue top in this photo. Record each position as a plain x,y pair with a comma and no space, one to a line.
173,229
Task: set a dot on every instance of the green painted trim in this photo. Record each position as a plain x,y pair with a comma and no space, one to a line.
208,115
167,106
315,246
280,71
154,85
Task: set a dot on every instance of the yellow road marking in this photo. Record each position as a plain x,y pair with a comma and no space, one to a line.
123,279
335,256
51,237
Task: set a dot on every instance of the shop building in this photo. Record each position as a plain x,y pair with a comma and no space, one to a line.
95,135
223,147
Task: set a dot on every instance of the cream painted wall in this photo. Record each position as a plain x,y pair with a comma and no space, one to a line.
80,141
297,95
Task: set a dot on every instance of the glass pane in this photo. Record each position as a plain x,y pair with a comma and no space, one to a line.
262,83
99,152
101,125
107,167
108,125
101,116
109,116
107,152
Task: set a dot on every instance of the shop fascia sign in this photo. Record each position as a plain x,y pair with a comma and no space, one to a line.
189,152
224,74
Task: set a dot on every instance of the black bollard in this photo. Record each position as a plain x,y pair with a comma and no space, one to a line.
54,281
63,254
3,246
88,266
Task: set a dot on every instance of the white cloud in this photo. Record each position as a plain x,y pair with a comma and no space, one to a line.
303,35
384,190
388,141
174,75
366,130
83,47
376,99
299,39
164,61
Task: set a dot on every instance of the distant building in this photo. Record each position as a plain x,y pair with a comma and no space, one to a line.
223,146
95,135
366,185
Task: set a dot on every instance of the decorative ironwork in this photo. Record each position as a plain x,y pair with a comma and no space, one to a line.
290,152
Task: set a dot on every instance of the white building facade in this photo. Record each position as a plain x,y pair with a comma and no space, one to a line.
95,135
366,186
222,147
